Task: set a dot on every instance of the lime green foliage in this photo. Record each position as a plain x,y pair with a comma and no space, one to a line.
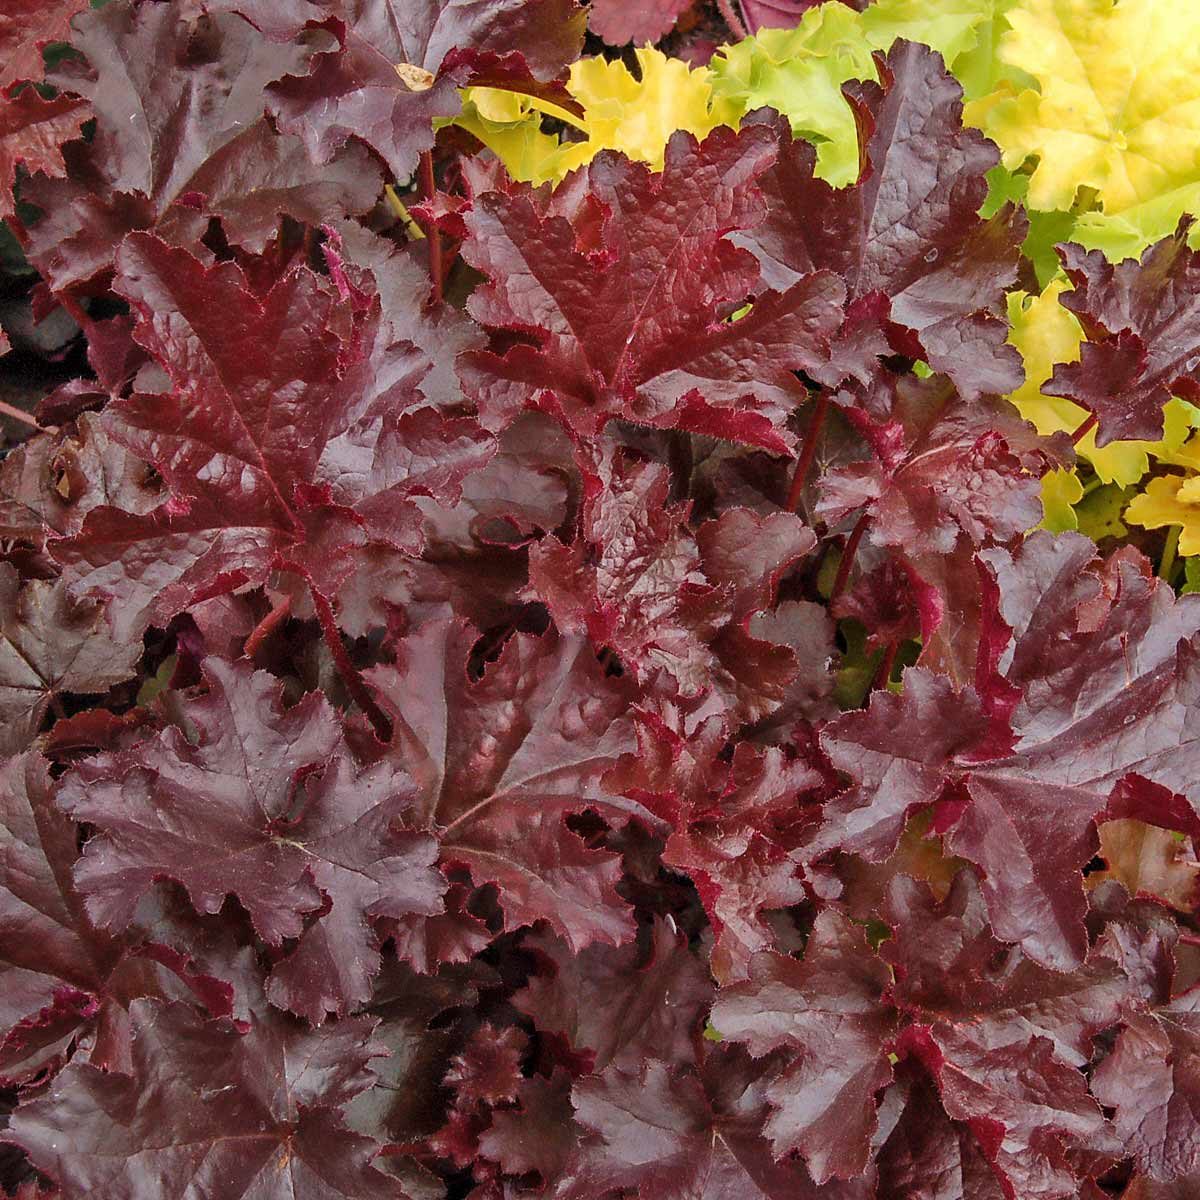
1113,107
633,114
1099,513
800,72
1061,491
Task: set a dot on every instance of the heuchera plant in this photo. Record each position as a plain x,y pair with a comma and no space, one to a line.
592,690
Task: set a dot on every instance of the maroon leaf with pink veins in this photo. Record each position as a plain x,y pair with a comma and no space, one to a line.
667,600
353,89
1152,1080
32,131
730,823
502,761
940,468
1106,666
827,1012
207,1109
619,22
908,232
619,1005
1142,320
681,365
951,970
64,984
50,646
181,135
26,26
270,456
927,1156
50,483
690,1137
1006,1038
270,807
1032,1113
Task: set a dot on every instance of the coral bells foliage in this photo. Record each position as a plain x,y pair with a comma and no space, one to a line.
513,691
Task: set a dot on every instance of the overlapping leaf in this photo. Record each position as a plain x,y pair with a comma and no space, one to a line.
909,230
637,235
253,1114
192,88
290,825
1103,668
501,762
385,70
273,450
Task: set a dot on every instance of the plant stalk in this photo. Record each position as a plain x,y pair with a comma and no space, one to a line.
1084,429
432,233
807,452
1166,564
731,17
346,669
843,571
19,414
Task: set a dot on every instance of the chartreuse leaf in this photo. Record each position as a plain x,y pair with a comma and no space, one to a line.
638,115
1173,500
1116,108
1061,491
800,73
1099,513
633,114
1170,500
510,126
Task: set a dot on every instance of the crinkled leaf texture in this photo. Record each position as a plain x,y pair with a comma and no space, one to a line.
516,691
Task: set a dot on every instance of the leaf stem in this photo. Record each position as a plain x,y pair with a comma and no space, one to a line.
843,571
400,211
1084,429
735,23
886,665
267,626
19,414
428,187
808,451
1166,564
346,669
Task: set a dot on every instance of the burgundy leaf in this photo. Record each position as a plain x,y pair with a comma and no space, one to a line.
1142,319
26,27
49,646
941,467
192,88
488,1071
619,1005
288,824
272,457
667,600
242,1114
352,87
32,131
64,980
909,230
637,21
1103,694
501,762
826,1011
678,366
1151,1080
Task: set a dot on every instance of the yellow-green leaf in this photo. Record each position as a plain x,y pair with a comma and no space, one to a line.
1117,107
1061,491
1170,500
